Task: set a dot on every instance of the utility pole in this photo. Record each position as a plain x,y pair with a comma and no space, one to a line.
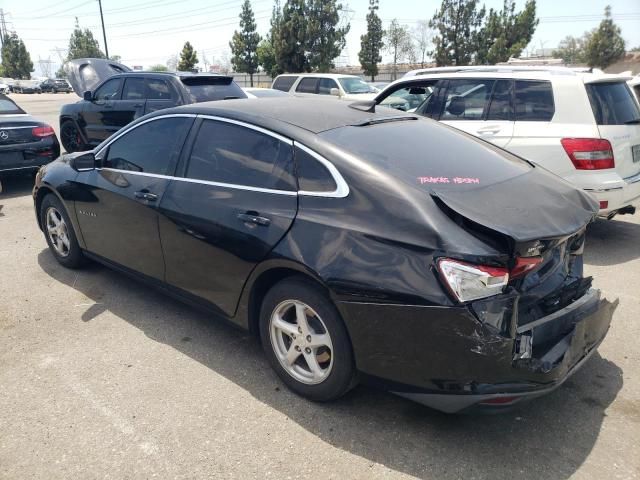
3,27
104,34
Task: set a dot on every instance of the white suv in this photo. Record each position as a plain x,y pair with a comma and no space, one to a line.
348,87
583,127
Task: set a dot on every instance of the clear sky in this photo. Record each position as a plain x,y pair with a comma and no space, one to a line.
145,32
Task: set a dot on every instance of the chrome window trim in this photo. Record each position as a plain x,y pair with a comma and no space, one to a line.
22,126
342,189
249,126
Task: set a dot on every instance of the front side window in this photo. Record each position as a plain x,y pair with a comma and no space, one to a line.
133,89
613,103
325,85
152,147
467,99
109,91
534,101
307,85
237,155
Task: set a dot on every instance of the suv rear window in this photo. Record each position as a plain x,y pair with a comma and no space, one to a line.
534,101
612,103
204,89
284,83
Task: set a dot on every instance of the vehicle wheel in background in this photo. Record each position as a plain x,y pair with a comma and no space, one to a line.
58,232
70,137
306,341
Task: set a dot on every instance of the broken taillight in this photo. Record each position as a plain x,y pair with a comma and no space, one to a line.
589,153
524,265
467,281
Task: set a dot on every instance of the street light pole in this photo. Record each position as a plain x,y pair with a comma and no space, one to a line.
104,34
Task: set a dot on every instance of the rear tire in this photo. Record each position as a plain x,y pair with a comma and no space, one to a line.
306,341
59,233
70,137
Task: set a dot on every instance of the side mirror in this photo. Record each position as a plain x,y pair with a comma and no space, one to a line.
83,162
88,96
335,92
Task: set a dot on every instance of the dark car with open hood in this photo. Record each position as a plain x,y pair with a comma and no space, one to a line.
25,142
113,95
357,245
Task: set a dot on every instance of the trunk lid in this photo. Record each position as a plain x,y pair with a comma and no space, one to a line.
618,118
84,74
16,129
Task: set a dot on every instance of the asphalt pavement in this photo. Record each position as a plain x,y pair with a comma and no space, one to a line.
102,377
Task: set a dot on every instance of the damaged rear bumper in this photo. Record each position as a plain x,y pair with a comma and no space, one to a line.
448,359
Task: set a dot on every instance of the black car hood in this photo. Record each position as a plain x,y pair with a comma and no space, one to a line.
533,206
85,74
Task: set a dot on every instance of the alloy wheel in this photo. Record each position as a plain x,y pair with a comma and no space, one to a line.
301,342
58,232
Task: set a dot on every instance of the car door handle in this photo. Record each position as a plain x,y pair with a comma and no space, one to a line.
146,195
488,130
254,217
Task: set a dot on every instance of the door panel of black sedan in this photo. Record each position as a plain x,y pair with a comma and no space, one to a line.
116,205
236,200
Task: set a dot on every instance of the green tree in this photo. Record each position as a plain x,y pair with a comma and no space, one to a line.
82,44
325,40
268,50
571,49
371,43
291,40
16,61
244,44
506,33
605,45
399,44
158,68
457,24
188,58
267,57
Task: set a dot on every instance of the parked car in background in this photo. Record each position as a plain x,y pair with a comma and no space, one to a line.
55,85
358,245
4,88
25,142
584,127
379,85
634,83
114,96
26,86
255,92
349,87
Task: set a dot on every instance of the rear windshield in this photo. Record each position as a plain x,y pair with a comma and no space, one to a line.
205,89
7,107
613,103
284,83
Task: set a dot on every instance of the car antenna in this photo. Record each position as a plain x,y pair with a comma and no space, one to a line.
368,106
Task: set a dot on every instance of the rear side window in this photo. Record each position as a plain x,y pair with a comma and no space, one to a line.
467,99
158,90
612,103
500,107
228,153
133,89
150,148
205,89
313,176
534,101
307,85
284,83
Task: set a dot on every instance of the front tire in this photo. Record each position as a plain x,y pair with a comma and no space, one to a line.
306,341
59,233
70,137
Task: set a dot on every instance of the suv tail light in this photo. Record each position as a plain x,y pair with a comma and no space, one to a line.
589,153
44,131
467,281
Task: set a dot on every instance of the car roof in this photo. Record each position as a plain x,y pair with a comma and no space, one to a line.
319,75
310,114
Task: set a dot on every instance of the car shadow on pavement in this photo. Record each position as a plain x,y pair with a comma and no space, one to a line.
547,438
611,242
15,185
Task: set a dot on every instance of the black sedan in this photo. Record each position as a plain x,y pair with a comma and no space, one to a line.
358,246
25,143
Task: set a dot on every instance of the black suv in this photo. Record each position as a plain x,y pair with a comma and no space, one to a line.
113,96
55,85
